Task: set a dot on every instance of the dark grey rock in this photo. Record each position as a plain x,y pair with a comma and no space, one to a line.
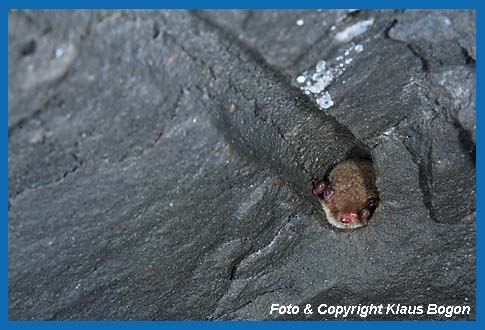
441,37
160,165
288,34
34,62
459,95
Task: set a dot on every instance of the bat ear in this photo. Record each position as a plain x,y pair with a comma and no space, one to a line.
364,216
318,186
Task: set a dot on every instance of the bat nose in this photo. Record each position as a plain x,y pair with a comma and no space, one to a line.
348,217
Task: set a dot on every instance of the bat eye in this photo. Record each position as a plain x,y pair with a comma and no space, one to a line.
329,192
371,204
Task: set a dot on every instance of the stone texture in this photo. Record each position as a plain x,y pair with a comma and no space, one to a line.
160,163
442,37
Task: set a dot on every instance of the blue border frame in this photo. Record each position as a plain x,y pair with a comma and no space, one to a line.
415,4
241,4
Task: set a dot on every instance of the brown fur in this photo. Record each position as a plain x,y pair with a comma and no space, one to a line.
354,184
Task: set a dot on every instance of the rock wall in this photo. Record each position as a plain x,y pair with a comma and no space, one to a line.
160,161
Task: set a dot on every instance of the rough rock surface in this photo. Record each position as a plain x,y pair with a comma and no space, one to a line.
160,162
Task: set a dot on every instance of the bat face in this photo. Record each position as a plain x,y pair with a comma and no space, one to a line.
348,196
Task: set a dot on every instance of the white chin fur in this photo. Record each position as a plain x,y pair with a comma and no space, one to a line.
336,223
